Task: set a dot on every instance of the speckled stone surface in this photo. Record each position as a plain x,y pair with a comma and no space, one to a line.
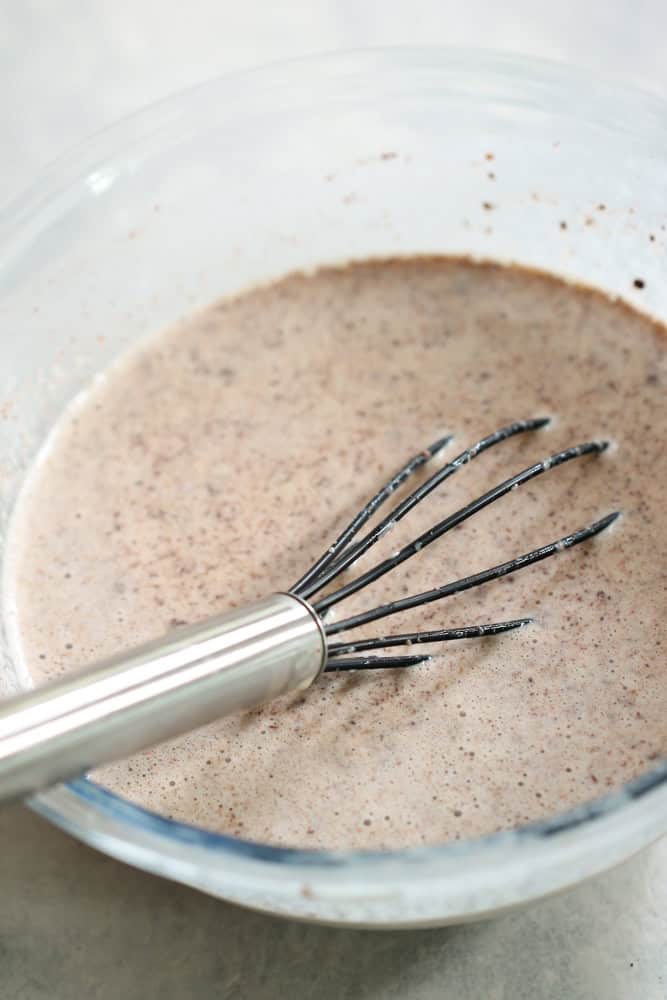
74,924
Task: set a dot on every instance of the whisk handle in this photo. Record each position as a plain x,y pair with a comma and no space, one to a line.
158,691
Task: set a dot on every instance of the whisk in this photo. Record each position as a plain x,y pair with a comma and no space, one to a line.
277,645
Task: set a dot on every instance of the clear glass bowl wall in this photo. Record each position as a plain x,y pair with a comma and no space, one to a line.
325,160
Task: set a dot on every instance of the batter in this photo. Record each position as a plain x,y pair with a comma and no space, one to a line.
212,465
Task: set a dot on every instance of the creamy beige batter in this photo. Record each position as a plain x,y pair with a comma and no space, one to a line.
217,461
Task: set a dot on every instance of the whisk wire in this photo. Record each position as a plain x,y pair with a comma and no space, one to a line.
414,638
439,529
475,580
373,662
365,514
345,550
345,558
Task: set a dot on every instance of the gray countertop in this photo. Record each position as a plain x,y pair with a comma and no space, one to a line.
75,924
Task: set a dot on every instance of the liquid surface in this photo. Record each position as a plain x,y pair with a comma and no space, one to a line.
214,464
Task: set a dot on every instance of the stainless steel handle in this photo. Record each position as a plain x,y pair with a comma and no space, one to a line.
157,691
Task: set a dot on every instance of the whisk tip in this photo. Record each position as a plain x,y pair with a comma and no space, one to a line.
438,445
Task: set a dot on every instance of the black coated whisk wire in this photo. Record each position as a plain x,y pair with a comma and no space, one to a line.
336,660
359,520
475,580
439,529
373,662
344,551
335,562
416,638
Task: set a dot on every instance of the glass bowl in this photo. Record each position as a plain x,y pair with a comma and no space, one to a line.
318,161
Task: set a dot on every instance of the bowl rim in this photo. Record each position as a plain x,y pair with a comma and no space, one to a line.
58,170
118,807
65,171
